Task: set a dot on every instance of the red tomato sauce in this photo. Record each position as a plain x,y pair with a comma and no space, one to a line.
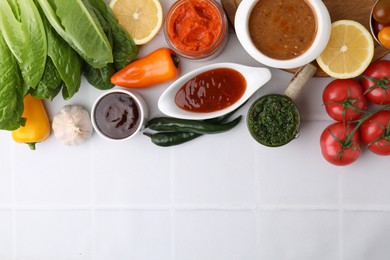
211,91
194,26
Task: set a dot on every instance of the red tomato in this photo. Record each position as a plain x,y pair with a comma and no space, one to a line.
334,147
344,99
376,82
378,26
384,36
375,133
381,11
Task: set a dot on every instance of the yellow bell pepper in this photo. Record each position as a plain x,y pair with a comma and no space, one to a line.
37,126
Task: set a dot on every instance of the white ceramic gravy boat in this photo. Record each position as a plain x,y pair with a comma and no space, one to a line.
255,78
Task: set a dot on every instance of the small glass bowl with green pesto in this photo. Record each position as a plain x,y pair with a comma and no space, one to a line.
273,120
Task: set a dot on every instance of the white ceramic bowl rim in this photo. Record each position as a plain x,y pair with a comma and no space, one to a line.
140,104
319,43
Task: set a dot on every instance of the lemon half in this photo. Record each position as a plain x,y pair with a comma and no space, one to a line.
349,51
142,19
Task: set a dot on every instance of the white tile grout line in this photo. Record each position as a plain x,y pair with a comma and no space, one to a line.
93,209
13,209
257,199
200,207
340,216
172,204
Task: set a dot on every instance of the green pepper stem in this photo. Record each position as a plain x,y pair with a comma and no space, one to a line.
31,145
147,134
175,60
23,121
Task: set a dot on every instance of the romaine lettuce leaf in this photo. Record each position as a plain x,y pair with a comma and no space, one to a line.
22,29
124,48
50,84
11,90
65,59
76,23
99,78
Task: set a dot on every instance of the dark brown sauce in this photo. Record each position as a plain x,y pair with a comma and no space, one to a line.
282,29
117,115
211,91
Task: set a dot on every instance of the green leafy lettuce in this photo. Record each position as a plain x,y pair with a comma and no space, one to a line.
124,48
50,84
11,90
65,60
23,31
77,24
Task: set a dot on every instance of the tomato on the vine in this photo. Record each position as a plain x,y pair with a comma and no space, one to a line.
376,82
375,133
344,99
338,145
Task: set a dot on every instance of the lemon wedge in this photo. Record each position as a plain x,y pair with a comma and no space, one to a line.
349,51
142,19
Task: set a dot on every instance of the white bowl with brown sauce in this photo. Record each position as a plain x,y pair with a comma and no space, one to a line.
283,33
119,114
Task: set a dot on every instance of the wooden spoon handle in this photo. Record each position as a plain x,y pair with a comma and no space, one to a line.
299,80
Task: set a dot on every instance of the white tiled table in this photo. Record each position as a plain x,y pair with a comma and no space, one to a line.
221,197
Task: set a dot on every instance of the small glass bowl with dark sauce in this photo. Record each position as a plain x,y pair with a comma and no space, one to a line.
118,114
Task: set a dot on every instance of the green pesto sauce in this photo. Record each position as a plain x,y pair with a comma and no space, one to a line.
273,120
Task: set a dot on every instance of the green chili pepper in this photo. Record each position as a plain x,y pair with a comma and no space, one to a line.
224,117
171,138
186,125
175,138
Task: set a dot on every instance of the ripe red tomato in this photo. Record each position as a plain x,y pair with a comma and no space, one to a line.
376,82
375,133
344,99
381,11
378,26
334,147
384,36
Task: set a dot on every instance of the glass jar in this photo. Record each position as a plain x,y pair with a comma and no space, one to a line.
196,29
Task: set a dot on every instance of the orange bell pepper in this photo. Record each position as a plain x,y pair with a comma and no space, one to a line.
37,126
160,66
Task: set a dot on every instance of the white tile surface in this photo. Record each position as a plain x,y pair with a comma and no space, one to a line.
53,235
209,171
367,184
299,175
6,234
215,235
298,235
366,235
141,235
220,197
7,169
130,176
53,175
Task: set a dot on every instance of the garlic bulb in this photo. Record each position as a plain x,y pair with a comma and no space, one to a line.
72,125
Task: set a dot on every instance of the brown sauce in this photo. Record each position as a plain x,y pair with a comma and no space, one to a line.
211,91
117,115
282,29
